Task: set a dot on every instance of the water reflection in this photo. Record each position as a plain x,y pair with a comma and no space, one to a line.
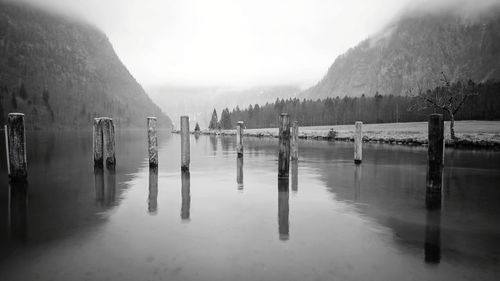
295,175
18,211
213,142
432,247
226,145
186,194
239,172
357,182
434,177
105,186
153,191
283,210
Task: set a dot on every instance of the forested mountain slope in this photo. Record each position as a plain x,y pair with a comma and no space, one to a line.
413,50
62,73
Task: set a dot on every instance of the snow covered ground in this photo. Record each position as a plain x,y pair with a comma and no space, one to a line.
469,133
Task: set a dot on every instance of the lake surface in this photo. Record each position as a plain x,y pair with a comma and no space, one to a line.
230,220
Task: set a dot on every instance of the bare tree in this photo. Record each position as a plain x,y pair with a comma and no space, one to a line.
448,97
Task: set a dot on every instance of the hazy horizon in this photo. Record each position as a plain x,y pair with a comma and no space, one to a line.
238,44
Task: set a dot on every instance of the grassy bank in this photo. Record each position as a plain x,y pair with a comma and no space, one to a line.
470,134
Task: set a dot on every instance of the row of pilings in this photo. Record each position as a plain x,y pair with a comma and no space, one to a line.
104,146
288,150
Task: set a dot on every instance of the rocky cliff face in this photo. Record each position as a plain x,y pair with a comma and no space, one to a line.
62,73
415,50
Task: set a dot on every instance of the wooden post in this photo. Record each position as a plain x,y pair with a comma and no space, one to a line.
97,143
358,143
283,210
16,147
186,194
152,142
284,146
239,172
295,140
108,141
153,191
435,153
239,138
7,148
185,143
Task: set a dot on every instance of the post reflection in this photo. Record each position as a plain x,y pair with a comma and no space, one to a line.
153,191
186,195
295,175
213,143
105,186
357,181
239,172
432,247
18,211
283,209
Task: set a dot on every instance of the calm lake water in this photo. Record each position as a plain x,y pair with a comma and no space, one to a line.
228,220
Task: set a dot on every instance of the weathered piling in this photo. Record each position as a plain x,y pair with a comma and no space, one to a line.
435,153
283,210
97,143
239,138
239,172
186,194
284,146
17,163
108,141
152,142
153,191
295,140
185,143
358,143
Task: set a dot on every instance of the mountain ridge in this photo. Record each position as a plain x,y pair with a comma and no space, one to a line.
63,72
413,50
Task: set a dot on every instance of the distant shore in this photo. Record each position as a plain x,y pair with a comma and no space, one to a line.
470,134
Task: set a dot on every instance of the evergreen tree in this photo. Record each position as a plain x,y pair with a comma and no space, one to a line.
225,119
197,128
213,121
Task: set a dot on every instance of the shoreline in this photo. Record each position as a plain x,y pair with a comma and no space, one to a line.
470,134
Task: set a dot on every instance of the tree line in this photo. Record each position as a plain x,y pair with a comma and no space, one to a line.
483,105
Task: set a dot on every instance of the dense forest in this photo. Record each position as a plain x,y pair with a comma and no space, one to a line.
336,111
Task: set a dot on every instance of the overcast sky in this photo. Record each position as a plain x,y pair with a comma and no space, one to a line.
236,43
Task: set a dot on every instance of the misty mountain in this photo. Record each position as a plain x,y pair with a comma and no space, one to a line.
413,50
62,72
199,102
